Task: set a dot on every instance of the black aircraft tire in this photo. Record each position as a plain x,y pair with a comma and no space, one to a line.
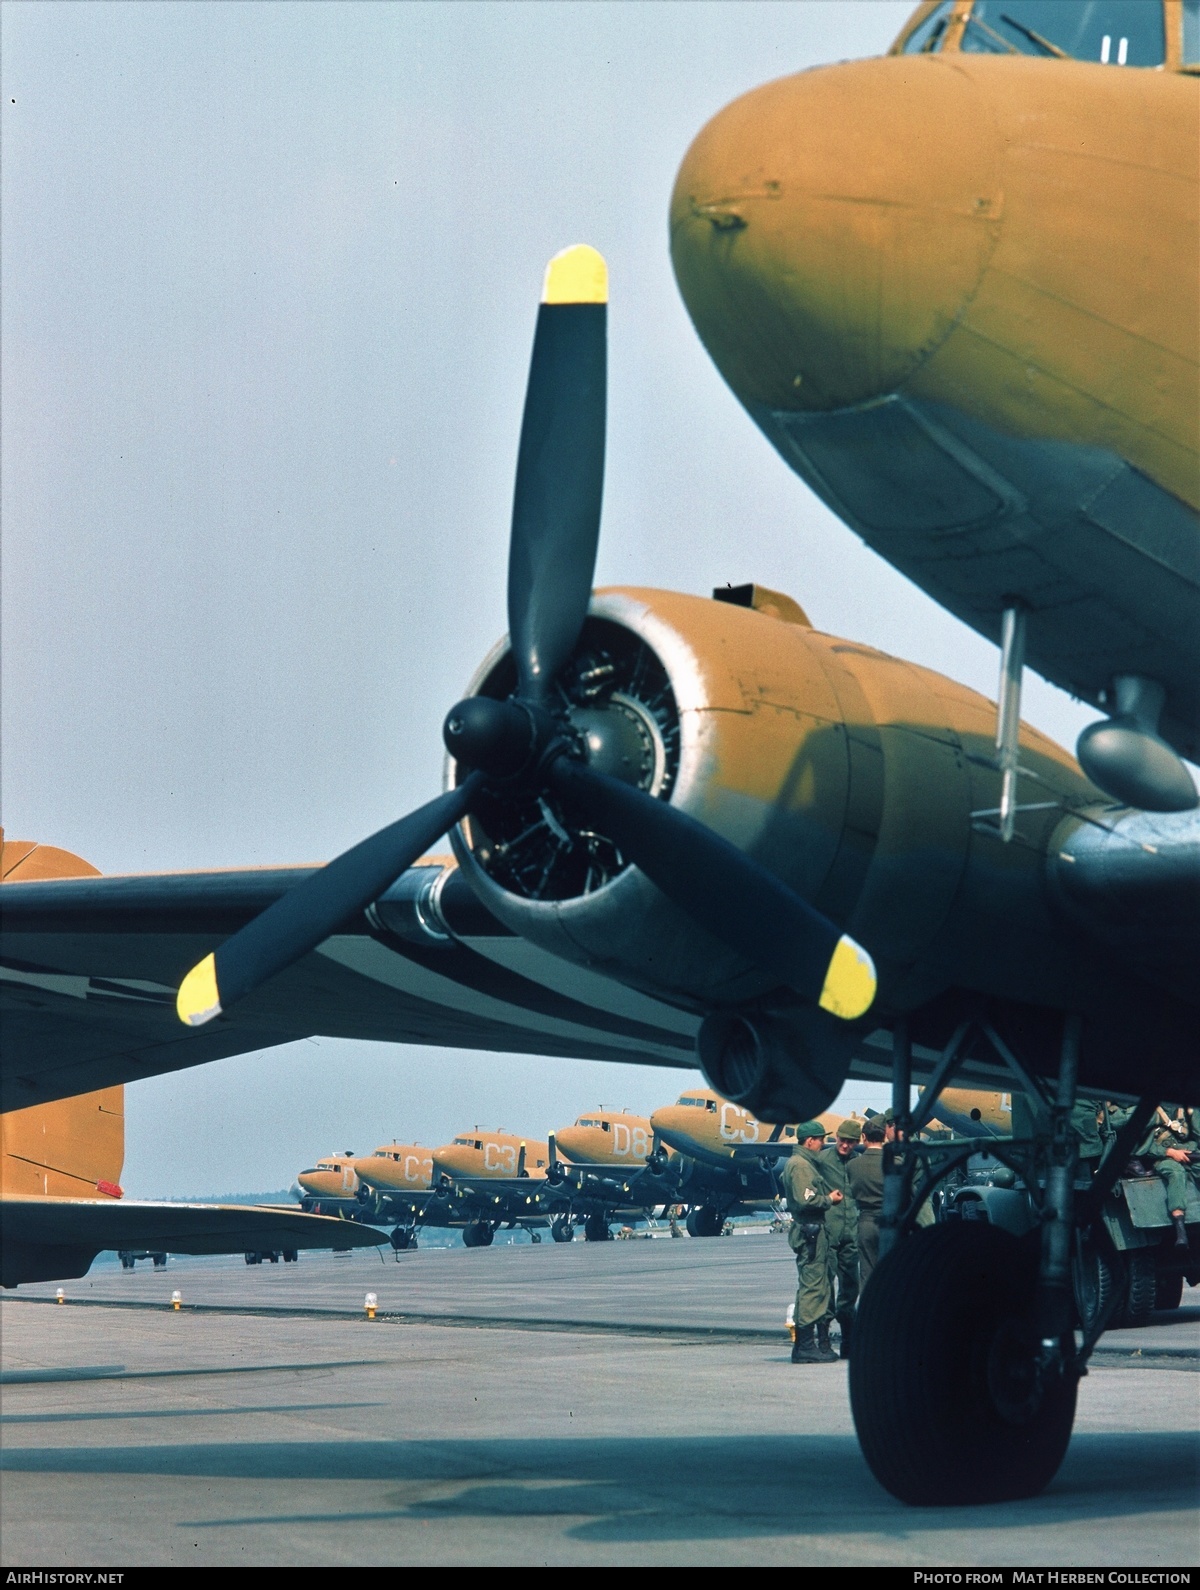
400,1239
704,1221
596,1229
1168,1289
929,1345
1141,1289
562,1230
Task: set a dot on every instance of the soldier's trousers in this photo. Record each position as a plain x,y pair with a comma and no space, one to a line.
868,1246
812,1268
1175,1176
843,1278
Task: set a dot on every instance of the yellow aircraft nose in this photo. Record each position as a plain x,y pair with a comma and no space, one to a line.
828,228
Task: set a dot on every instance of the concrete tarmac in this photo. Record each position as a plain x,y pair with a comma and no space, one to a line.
609,1404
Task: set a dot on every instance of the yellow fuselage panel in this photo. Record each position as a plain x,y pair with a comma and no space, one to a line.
1013,237
64,1149
397,1167
711,1123
607,1138
494,1154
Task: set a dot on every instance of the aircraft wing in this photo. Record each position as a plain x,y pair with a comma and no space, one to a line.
57,1238
114,1223
89,968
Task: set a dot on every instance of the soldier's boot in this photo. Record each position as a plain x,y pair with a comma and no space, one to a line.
1181,1236
824,1345
846,1321
804,1349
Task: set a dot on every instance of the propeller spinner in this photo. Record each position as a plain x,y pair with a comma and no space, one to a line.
524,746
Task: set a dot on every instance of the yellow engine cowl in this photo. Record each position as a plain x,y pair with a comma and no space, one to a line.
851,775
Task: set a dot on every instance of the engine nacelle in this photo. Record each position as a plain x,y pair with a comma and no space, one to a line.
782,1064
851,775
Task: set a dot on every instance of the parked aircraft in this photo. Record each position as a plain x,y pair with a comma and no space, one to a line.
331,1185
985,362
958,289
679,820
61,1201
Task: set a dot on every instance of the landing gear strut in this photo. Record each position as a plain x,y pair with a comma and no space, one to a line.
965,1365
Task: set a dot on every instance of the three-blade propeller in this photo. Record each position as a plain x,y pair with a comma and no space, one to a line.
552,555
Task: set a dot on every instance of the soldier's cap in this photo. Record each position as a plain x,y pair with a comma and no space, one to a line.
808,1129
850,1131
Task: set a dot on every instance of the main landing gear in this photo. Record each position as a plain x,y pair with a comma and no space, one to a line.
403,1238
562,1228
970,1339
704,1221
478,1234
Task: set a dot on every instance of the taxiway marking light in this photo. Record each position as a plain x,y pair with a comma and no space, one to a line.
370,1303
177,1301
60,1296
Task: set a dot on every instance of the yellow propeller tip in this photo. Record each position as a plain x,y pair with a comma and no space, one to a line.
850,981
577,275
198,999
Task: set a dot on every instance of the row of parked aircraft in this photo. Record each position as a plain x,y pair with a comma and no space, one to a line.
703,1152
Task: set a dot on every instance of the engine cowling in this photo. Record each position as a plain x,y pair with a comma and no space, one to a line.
851,775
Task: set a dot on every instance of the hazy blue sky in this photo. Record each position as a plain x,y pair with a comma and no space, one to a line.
269,281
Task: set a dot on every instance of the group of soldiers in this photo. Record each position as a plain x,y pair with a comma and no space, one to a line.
834,1193
835,1196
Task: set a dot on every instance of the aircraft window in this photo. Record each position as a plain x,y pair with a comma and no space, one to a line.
1191,32
1113,32
478,1142
699,1103
605,1127
711,1105
462,1142
928,37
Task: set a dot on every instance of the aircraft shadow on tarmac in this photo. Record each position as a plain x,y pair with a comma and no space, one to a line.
651,1490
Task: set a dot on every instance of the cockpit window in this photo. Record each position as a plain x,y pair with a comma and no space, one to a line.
928,37
699,1103
1191,32
1112,32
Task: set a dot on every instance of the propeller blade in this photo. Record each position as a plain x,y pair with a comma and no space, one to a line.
301,918
722,889
560,470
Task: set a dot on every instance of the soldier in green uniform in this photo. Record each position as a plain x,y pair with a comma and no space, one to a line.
1085,1123
1172,1147
809,1199
841,1233
866,1188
